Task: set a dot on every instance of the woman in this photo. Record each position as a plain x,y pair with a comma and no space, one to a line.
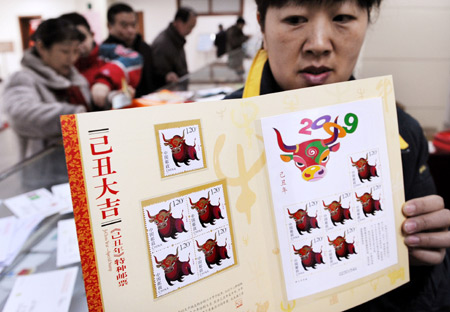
47,86
315,42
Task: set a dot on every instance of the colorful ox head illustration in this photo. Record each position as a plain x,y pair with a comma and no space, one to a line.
312,156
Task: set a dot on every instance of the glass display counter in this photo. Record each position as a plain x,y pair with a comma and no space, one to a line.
38,254
212,82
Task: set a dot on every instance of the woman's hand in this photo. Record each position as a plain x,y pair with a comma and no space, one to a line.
426,229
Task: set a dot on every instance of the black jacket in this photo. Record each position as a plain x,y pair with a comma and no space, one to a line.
169,55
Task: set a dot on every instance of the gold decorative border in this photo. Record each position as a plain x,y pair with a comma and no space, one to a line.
152,201
81,212
187,123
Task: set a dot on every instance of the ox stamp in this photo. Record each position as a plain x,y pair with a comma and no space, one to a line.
174,267
189,236
369,201
343,247
303,220
180,147
309,256
366,168
338,210
214,253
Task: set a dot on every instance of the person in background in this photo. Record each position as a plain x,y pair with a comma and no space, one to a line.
235,40
221,41
122,22
105,66
310,43
47,86
168,47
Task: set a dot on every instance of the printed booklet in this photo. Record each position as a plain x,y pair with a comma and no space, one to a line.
283,202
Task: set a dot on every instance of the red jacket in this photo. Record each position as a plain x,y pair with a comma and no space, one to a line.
109,64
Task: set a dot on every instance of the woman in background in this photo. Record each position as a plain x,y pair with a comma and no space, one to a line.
47,86
315,42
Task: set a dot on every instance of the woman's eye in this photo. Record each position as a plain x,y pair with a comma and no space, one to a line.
299,164
343,18
294,20
325,159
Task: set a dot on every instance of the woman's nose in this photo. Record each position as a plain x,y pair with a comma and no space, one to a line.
319,39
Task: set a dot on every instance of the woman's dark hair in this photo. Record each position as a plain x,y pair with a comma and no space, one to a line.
56,30
263,5
76,19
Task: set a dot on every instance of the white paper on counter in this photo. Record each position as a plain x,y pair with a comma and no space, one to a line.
38,202
47,244
21,231
64,197
7,226
67,252
43,292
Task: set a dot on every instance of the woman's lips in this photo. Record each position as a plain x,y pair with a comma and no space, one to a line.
315,75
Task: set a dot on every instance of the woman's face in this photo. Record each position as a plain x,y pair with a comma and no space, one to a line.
314,45
88,43
60,56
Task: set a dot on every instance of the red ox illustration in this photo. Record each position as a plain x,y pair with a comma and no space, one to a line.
312,156
181,152
303,221
342,247
365,171
309,258
214,254
168,226
174,269
337,212
207,213
369,205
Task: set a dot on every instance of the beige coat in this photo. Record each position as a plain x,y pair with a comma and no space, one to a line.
32,103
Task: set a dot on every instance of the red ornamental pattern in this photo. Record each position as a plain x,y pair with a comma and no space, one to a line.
81,212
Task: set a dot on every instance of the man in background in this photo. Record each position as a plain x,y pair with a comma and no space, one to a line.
235,39
122,28
221,41
168,47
